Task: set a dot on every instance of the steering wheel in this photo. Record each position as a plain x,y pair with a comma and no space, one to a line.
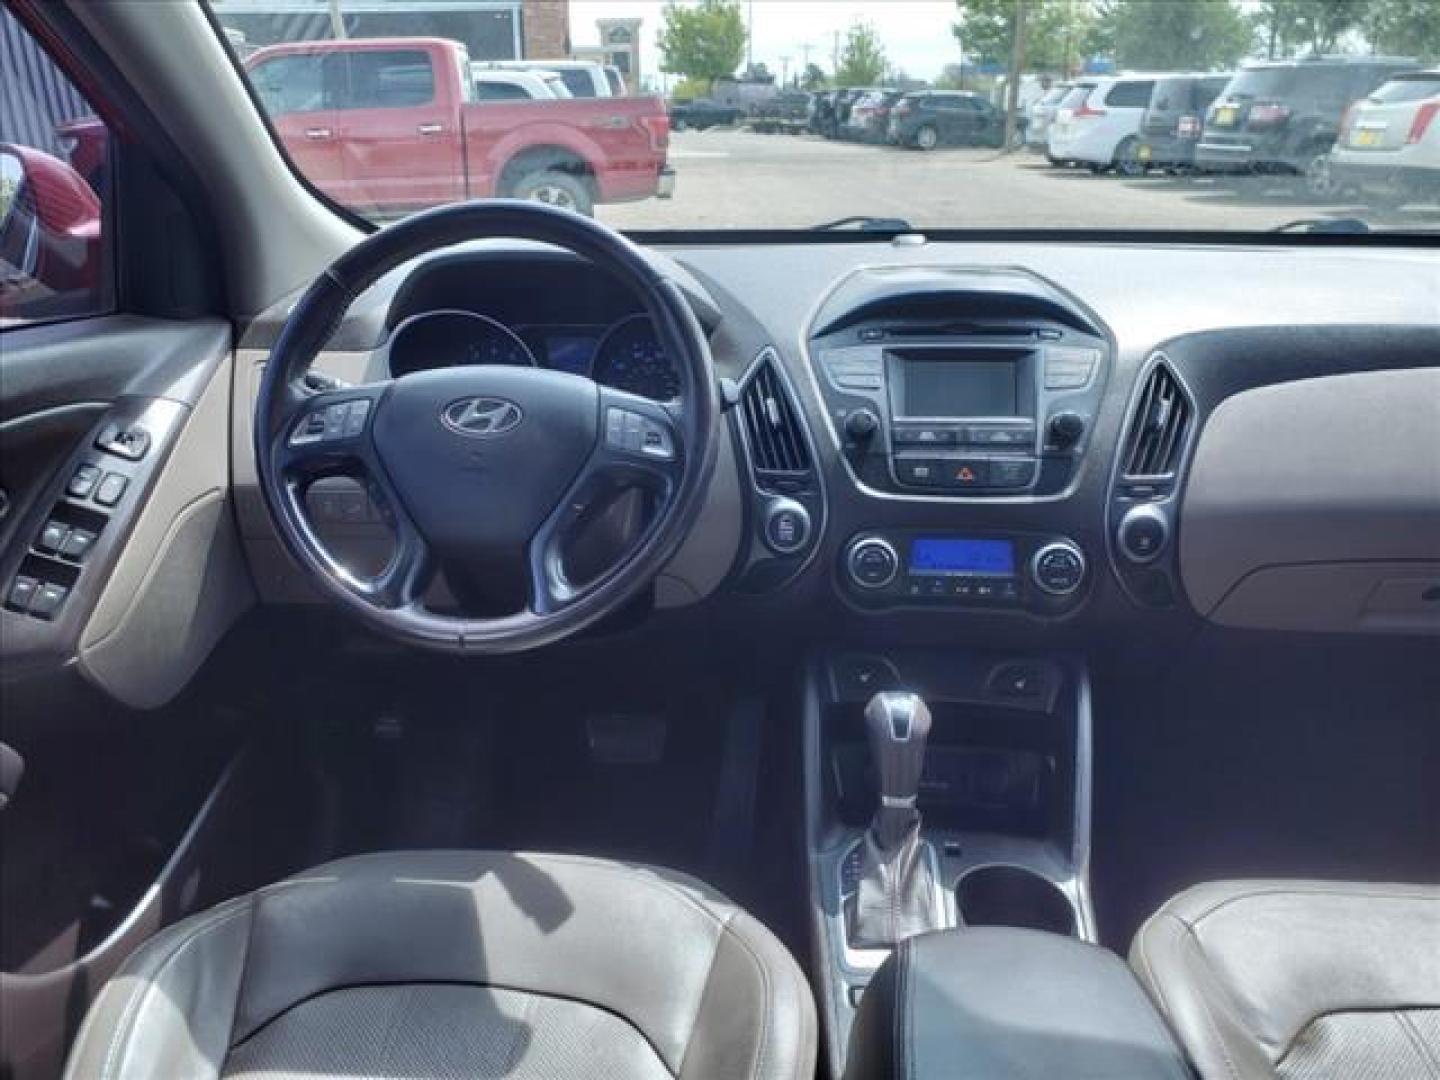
494,467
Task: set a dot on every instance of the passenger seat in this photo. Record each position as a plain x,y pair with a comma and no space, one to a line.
1299,979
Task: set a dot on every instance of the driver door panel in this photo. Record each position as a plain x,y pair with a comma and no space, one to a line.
136,540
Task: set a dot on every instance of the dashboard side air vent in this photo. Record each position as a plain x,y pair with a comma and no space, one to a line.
1159,427
772,426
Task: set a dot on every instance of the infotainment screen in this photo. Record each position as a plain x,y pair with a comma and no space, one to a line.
962,555
958,388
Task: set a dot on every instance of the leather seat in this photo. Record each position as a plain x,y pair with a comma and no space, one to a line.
1299,979
459,964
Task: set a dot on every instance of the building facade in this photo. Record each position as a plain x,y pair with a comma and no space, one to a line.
489,29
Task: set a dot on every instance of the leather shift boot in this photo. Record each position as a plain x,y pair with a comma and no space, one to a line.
896,895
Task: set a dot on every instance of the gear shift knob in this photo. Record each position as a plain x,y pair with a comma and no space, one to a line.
898,724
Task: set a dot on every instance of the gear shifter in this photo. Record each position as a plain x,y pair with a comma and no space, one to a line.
896,894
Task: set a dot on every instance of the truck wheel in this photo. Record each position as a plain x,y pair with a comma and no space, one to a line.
1127,158
678,123
927,138
555,188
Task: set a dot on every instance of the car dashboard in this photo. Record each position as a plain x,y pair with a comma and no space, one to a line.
930,441
991,439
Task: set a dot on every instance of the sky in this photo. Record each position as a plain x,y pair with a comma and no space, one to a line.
916,33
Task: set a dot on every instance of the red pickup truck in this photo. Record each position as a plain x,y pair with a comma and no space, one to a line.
389,125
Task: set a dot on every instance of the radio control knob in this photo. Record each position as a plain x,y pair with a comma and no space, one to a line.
872,563
1143,534
1066,429
787,526
1058,568
861,425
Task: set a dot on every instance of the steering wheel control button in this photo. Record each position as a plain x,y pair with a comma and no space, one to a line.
83,482
52,537
787,526
335,422
355,414
48,598
655,440
310,430
637,434
1143,534
111,489
872,563
1058,568
330,423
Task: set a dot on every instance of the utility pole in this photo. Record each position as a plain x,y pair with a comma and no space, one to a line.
784,72
337,21
835,53
1012,85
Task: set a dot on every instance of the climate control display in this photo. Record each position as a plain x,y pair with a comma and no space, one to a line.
904,567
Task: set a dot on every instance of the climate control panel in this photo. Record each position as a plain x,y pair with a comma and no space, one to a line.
927,568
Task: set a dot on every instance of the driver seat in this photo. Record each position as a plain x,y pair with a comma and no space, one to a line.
459,964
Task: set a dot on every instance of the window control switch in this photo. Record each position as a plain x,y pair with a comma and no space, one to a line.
129,443
22,593
53,536
83,482
110,489
77,545
47,600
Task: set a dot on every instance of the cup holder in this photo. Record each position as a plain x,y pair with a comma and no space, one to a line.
1013,896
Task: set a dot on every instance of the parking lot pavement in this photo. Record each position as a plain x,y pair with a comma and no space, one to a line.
737,179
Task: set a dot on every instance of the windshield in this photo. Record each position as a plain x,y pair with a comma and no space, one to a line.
1409,88
1264,82
687,115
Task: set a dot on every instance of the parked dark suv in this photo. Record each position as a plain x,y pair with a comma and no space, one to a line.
1283,117
927,119
1175,118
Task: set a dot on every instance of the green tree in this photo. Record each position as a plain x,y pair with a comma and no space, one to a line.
1056,32
1404,28
1290,27
1175,35
813,78
862,60
704,41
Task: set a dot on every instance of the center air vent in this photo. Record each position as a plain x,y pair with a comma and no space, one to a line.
1156,438
777,443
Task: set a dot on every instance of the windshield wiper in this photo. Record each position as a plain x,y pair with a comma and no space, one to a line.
865,224
1324,225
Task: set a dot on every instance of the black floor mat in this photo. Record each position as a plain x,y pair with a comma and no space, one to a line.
439,755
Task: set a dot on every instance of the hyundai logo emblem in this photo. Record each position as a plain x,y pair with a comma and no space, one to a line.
481,416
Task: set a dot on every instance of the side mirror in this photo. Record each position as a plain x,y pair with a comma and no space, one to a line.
49,227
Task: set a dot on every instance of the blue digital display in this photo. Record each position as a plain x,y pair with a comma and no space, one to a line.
571,354
960,555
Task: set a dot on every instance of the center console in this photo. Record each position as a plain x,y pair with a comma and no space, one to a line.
985,823
1008,1004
